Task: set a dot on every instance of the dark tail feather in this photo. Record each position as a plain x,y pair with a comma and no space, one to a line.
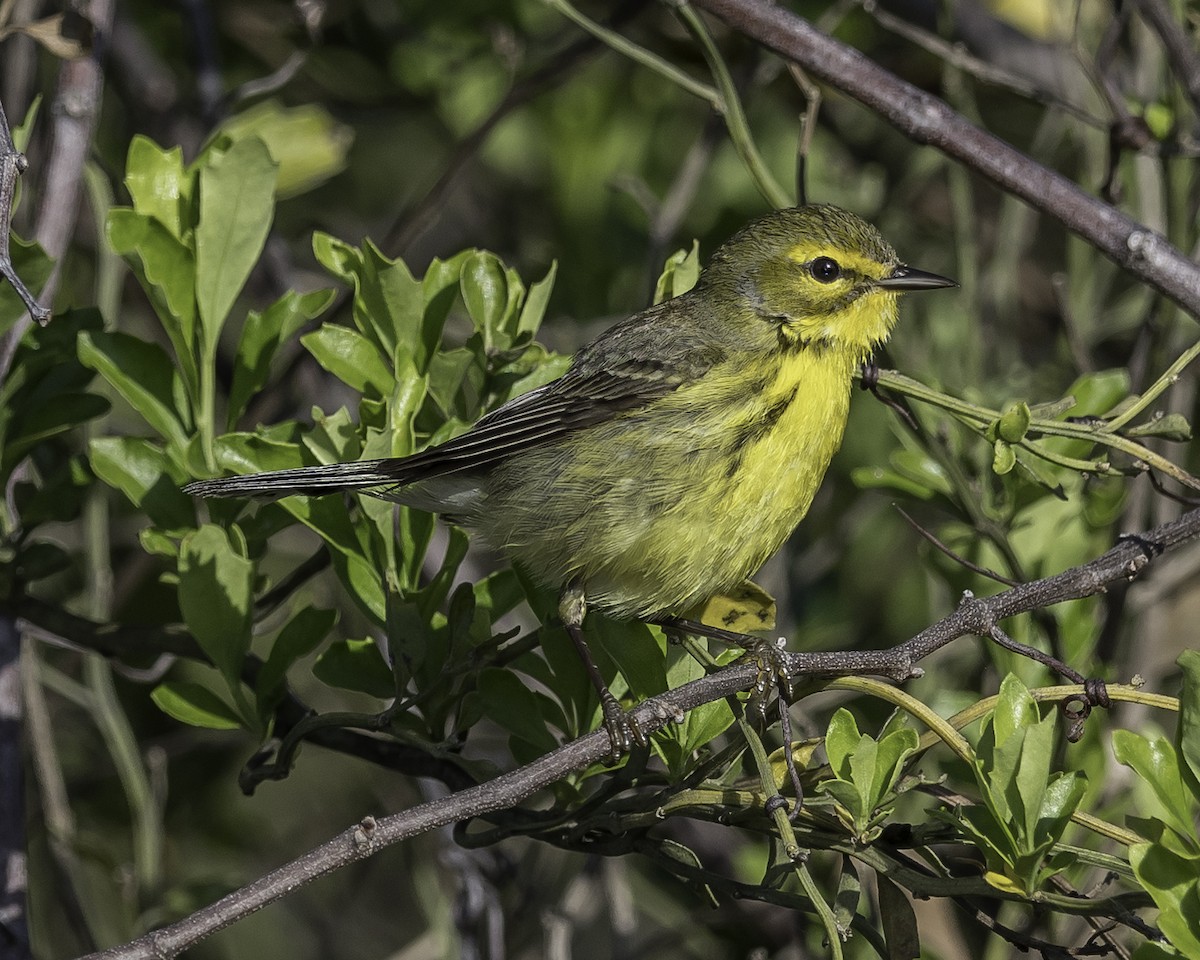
313,481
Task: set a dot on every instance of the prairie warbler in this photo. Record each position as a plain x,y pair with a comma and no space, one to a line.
682,446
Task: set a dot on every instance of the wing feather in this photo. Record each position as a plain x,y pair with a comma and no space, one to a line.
603,382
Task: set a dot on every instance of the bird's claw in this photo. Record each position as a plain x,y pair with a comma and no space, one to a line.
624,732
774,673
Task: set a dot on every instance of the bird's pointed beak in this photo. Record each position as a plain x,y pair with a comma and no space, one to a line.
910,278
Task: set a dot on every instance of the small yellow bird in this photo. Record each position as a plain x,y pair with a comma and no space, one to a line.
682,446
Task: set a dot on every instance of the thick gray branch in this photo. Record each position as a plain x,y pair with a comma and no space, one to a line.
926,119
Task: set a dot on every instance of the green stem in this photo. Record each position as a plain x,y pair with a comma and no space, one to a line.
207,412
941,729
641,55
731,109
979,417
791,847
1170,375
106,708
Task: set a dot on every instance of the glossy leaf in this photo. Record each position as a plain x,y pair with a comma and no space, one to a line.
158,184
484,286
516,708
237,204
195,705
216,595
350,357
143,375
1188,738
534,310
1174,884
1156,763
141,471
166,269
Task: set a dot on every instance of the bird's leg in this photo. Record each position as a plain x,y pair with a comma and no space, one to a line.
623,730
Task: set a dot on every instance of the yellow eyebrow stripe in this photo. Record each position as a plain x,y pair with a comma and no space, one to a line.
850,260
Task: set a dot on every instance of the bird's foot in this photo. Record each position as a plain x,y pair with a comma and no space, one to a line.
624,732
774,673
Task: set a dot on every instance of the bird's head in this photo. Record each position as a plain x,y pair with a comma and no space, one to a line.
819,275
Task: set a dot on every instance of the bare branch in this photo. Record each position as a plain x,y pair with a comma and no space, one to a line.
927,119
76,106
12,165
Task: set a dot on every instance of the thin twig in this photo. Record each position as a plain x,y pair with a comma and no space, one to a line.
1180,48
76,106
12,165
956,557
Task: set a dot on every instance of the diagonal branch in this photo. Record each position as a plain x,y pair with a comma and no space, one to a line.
974,616
927,119
12,165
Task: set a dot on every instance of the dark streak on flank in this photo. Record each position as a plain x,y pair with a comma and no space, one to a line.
754,430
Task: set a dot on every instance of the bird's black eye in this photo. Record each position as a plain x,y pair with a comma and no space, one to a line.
824,270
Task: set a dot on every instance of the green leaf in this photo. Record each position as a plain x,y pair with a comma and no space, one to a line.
1170,426
299,637
1004,458
247,453
166,269
1015,709
158,184
636,649
849,894
1157,764
216,592
261,336
1096,394
876,478
1150,950
305,141
701,724
841,739
143,375
484,285
141,471
195,705
534,310
516,708
1174,884
356,665
58,414
237,203
1188,737
389,305
350,357
863,769
679,273
894,749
